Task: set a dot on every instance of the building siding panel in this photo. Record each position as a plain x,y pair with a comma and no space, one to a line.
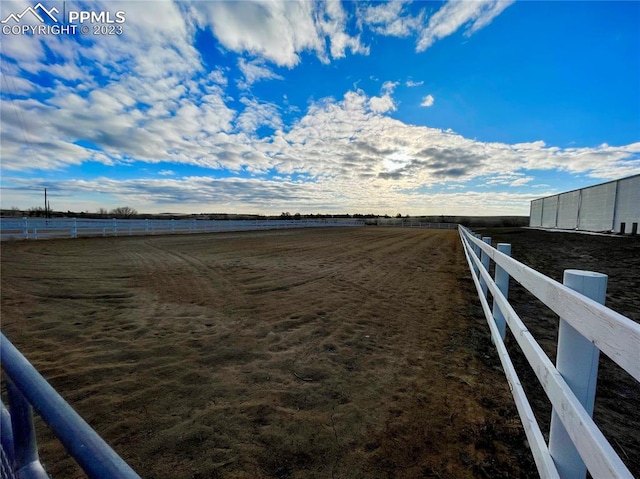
603,207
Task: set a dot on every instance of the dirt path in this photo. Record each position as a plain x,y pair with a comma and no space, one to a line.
333,353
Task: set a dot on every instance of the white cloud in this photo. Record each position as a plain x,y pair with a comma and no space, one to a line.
508,179
332,22
16,85
218,77
412,84
389,86
257,114
255,71
454,14
389,18
279,31
26,48
486,17
427,101
382,104
522,181
276,31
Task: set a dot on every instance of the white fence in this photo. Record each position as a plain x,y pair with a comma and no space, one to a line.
40,228
586,328
411,223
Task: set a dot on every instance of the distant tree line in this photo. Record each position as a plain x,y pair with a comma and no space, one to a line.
126,212
123,212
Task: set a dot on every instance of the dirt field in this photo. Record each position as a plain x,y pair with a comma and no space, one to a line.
333,353
617,407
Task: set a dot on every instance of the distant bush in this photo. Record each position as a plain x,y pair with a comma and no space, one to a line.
123,212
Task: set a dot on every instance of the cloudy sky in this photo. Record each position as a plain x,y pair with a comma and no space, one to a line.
459,107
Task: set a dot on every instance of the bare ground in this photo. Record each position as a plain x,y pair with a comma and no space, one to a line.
617,405
327,353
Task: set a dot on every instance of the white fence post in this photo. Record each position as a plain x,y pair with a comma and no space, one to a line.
475,246
25,227
476,251
502,282
74,228
485,259
577,361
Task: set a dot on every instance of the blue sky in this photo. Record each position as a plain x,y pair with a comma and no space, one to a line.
466,107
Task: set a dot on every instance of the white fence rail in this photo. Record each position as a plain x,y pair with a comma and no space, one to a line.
595,326
40,228
411,223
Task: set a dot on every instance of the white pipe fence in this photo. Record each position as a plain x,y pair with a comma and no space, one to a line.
586,325
41,228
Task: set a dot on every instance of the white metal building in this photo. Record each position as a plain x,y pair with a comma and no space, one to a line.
613,207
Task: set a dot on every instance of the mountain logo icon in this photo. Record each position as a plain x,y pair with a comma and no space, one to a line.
39,11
